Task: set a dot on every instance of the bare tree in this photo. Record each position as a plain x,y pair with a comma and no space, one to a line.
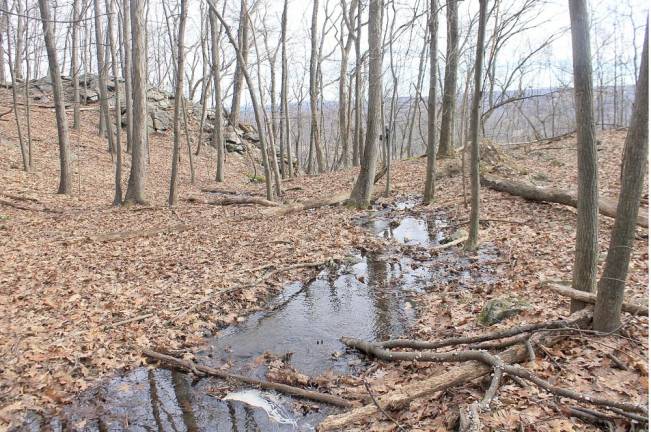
74,62
136,188
238,78
361,194
65,177
178,96
314,95
284,105
450,90
117,200
105,119
217,134
473,234
610,295
587,223
127,72
428,195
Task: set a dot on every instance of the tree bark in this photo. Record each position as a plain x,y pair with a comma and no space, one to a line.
361,194
450,85
610,296
587,224
473,233
74,63
430,179
284,128
65,177
127,72
136,188
117,200
314,94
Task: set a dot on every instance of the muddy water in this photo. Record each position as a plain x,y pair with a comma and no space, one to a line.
369,296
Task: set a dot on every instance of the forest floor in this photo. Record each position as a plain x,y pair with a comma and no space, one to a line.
62,284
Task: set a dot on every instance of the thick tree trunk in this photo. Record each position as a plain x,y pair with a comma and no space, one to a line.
217,133
178,106
361,194
611,285
65,178
587,225
238,78
430,178
357,139
607,206
314,94
473,233
450,85
136,188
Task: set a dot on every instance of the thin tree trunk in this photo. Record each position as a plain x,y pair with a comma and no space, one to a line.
14,95
361,194
74,68
284,129
217,134
428,195
473,234
117,200
127,72
314,94
587,224
65,177
357,144
610,295
178,95
446,144
102,74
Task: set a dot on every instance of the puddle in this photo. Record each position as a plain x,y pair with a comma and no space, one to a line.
370,296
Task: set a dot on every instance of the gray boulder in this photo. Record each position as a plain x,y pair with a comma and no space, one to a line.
501,308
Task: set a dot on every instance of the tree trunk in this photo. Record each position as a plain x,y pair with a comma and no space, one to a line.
74,61
473,233
102,74
428,195
610,296
136,188
314,93
587,226
446,144
284,127
357,139
65,177
361,194
127,72
117,200
14,95
20,39
217,134
178,96
238,78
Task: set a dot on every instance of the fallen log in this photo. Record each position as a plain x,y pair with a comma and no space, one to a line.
429,387
307,205
588,297
607,206
267,385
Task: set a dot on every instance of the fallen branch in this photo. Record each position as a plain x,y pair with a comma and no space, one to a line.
494,362
21,207
607,206
382,410
129,320
267,385
588,297
207,297
307,205
467,340
429,387
447,245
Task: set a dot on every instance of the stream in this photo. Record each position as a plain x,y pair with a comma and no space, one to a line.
371,296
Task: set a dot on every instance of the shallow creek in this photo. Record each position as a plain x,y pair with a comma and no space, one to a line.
371,296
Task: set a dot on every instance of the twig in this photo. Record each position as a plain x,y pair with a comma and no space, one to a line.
618,363
382,410
127,321
267,385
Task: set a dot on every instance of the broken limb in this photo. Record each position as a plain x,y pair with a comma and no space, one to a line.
494,362
588,297
267,385
607,206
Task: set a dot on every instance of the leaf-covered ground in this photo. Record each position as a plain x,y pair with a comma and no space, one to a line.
61,286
